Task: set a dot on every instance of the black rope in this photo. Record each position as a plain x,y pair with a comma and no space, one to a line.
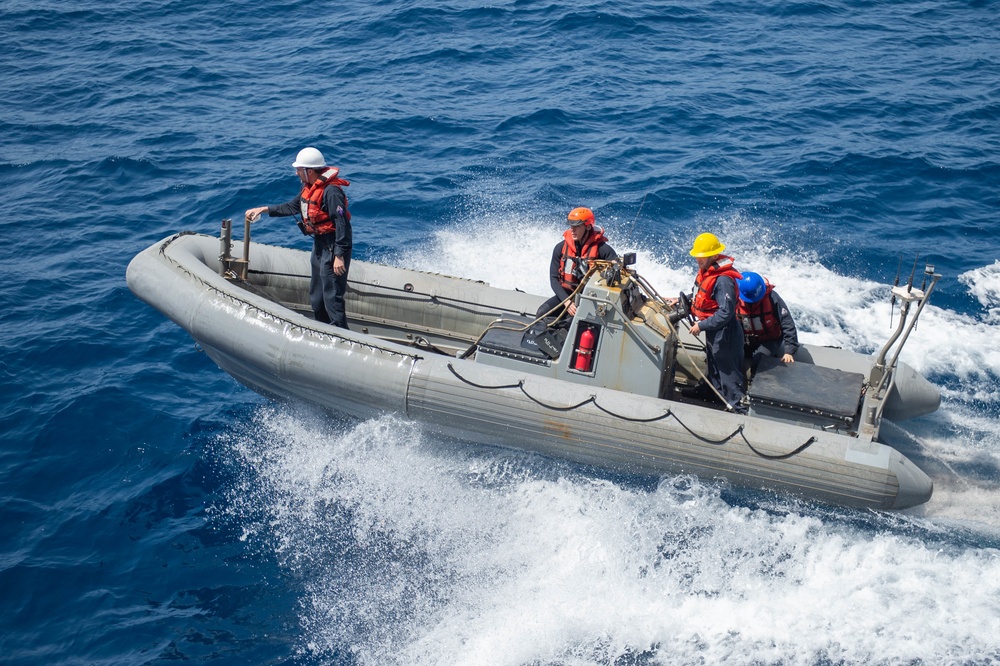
519,384
421,342
652,419
591,399
357,284
784,456
557,408
254,271
669,413
714,442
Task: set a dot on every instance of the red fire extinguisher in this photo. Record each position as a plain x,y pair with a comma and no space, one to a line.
585,350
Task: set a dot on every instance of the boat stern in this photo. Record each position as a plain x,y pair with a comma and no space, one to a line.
915,487
911,395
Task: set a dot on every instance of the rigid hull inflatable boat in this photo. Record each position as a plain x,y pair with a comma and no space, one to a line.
604,388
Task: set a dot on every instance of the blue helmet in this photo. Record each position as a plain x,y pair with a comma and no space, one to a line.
752,287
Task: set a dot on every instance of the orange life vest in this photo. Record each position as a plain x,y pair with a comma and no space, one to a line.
760,321
314,218
573,266
704,306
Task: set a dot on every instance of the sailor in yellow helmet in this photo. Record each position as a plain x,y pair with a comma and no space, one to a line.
714,306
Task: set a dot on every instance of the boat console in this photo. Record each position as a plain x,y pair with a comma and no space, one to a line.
620,337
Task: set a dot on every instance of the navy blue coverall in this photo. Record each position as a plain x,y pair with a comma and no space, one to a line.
326,289
724,344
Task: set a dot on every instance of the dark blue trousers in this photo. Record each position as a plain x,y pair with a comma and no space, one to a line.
725,362
326,290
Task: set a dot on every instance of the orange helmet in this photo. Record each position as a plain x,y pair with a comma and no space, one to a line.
579,216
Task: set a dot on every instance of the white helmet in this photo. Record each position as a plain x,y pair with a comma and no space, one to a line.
309,158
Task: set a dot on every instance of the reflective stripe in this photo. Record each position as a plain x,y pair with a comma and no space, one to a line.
572,267
760,322
703,305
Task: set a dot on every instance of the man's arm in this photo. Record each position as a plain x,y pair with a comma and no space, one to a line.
335,204
281,210
292,207
724,294
789,334
555,277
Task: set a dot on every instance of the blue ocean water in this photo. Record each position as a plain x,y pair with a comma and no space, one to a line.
153,510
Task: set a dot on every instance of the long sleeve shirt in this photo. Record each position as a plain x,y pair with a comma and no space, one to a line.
604,251
334,204
723,293
789,334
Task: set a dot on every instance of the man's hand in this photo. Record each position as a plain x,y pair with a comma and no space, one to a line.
339,267
253,214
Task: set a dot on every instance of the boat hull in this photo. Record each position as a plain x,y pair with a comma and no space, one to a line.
284,354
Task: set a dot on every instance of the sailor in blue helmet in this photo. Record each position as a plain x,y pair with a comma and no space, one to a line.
768,328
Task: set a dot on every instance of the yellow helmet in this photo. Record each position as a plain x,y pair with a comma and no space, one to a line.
579,216
706,245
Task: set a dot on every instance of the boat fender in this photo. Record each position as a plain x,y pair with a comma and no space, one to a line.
585,350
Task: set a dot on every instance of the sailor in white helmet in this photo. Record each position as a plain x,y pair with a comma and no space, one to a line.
321,208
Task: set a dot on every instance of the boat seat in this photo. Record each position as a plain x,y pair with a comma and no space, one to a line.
520,344
807,388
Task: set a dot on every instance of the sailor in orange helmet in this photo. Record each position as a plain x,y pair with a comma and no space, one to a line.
581,242
714,306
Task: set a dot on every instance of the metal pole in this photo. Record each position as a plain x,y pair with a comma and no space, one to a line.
246,249
226,245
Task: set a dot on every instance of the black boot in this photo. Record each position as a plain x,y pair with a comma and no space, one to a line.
700,391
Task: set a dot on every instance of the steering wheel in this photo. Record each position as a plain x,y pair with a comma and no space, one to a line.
684,307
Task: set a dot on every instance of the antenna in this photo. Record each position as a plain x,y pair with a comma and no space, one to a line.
892,301
637,213
928,273
909,283
928,270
